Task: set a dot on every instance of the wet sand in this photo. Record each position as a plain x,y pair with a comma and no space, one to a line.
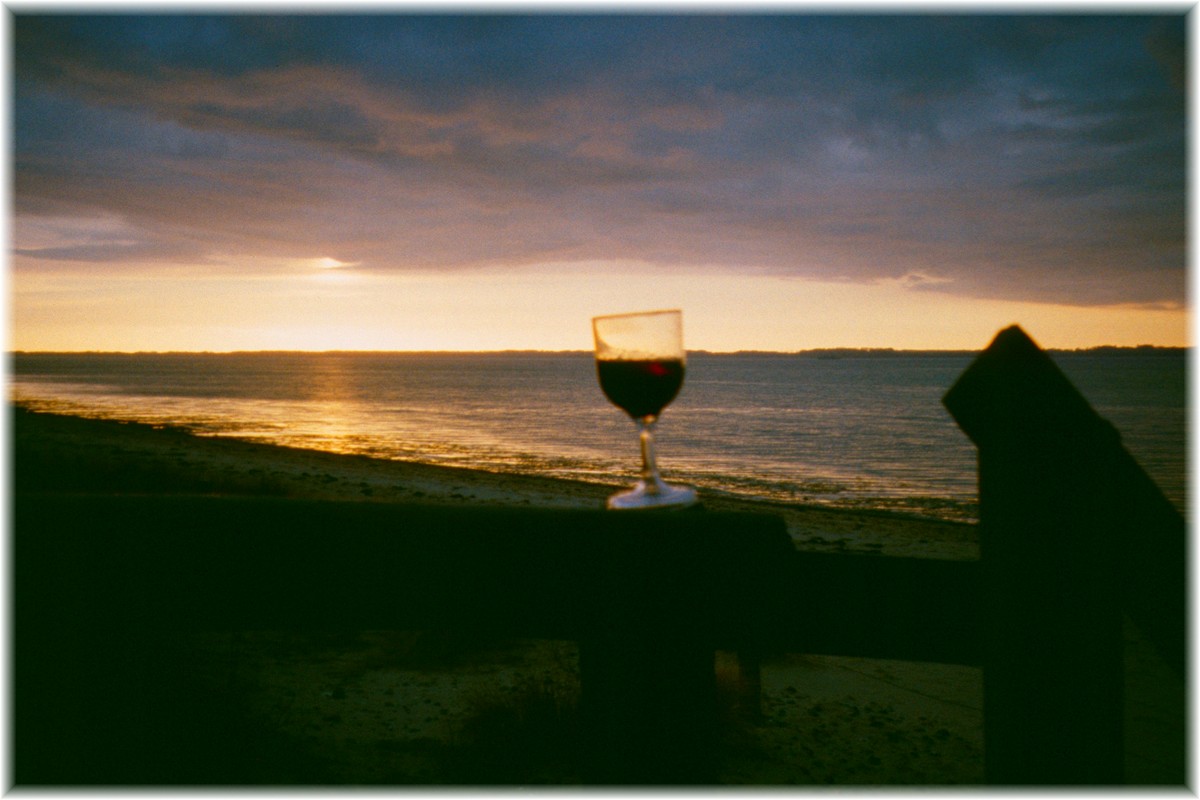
409,708
65,453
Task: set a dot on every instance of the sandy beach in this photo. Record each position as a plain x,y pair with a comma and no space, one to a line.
408,708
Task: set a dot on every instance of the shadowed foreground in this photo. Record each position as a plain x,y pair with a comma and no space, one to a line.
374,706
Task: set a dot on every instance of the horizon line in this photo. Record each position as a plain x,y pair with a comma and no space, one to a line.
859,351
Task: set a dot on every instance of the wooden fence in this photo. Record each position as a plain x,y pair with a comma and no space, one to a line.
1072,533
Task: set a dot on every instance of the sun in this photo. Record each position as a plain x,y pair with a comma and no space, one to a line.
330,263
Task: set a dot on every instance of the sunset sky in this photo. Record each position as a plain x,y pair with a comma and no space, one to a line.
403,181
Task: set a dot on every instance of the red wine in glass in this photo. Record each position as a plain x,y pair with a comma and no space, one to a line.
640,362
642,387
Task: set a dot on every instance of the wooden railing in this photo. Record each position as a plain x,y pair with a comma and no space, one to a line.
1072,532
649,597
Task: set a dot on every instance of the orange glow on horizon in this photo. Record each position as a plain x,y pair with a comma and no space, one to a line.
343,308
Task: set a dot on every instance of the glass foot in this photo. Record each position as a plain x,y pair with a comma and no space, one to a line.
662,495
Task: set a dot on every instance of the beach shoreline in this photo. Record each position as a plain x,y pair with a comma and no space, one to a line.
63,452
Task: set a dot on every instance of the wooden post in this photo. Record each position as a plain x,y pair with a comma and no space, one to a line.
647,664
648,703
1054,490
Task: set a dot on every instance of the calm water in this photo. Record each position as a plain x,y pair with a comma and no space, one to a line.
848,432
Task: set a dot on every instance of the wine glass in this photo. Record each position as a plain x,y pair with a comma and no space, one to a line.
640,363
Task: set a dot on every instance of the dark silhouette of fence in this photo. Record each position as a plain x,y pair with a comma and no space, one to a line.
1072,532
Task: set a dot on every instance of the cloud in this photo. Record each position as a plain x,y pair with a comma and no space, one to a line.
1032,157
919,279
119,252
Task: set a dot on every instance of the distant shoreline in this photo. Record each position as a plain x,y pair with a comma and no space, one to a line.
824,352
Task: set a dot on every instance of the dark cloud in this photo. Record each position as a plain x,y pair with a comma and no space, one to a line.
1031,156
124,252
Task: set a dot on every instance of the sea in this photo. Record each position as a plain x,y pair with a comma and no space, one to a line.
844,429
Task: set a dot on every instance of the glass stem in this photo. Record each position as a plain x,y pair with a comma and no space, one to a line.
650,478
